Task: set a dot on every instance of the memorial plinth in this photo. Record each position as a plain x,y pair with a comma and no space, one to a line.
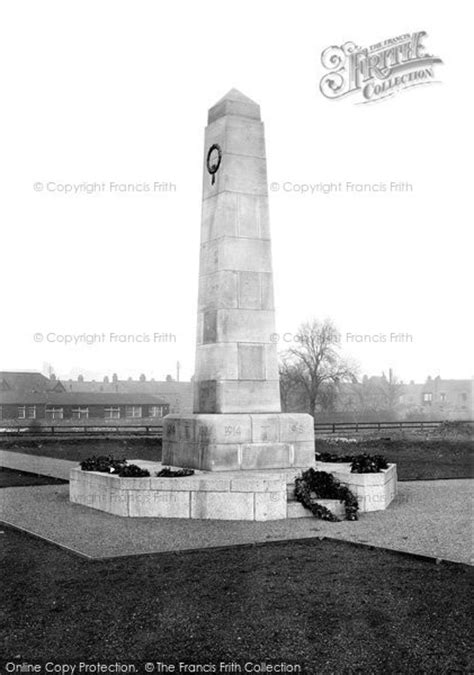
237,421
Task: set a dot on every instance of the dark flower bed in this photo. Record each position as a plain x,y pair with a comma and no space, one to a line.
363,463
166,472
133,471
332,457
313,485
109,464
417,458
368,464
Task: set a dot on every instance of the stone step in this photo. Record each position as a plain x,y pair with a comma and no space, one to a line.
297,510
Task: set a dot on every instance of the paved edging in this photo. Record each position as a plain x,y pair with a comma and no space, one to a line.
425,519
43,466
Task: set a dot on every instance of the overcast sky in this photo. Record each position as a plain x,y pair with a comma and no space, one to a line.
118,92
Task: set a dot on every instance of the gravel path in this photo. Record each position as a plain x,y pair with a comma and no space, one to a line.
431,518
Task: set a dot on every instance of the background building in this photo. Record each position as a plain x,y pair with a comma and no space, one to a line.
381,398
32,398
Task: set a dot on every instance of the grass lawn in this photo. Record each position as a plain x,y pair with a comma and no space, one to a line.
13,478
416,458
79,449
328,606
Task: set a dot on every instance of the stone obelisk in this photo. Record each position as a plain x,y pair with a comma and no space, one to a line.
237,421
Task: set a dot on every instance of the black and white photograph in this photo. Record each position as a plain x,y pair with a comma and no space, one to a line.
236,364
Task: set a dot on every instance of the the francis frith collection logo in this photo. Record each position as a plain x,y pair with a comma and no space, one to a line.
379,71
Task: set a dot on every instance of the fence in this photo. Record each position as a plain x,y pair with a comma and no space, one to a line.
338,427
156,431
98,431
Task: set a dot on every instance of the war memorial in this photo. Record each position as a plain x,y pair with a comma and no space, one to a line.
244,451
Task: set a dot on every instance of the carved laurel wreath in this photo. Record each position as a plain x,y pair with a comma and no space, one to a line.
212,168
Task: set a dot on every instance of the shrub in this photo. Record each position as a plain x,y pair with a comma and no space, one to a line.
331,457
103,463
368,464
109,464
133,471
167,472
359,463
313,485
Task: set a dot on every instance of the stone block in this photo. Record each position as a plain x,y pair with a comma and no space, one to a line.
250,396
297,510
250,215
251,361
187,429
222,505
239,106
77,490
270,505
340,468
218,429
159,503
218,290
99,478
236,255
246,483
374,491
265,455
335,506
244,326
211,483
116,502
184,484
271,362
209,326
265,428
303,454
131,483
209,258
267,300
244,137
249,290
181,454
220,457
264,217
242,255
207,396
219,215
170,428
243,174
296,427
217,362
167,453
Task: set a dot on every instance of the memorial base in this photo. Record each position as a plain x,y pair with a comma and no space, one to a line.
228,495
230,442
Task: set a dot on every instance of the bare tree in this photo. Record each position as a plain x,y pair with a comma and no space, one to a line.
290,385
392,389
381,395
315,362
